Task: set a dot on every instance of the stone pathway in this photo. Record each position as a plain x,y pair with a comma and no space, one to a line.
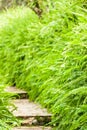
32,115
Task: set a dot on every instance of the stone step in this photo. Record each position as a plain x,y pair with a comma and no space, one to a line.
31,113
35,121
19,93
32,128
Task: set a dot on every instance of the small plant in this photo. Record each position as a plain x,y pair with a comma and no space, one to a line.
7,120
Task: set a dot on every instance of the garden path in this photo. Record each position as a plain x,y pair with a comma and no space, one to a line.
32,115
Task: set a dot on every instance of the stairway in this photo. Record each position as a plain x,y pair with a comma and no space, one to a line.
32,115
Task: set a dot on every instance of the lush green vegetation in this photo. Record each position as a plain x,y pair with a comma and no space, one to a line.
48,58
7,120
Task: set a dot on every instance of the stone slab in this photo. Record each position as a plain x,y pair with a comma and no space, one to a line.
33,128
14,90
26,109
21,93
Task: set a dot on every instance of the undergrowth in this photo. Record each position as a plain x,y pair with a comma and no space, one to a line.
48,58
7,120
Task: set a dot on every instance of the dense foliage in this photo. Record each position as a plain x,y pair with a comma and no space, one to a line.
7,120
38,6
48,58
